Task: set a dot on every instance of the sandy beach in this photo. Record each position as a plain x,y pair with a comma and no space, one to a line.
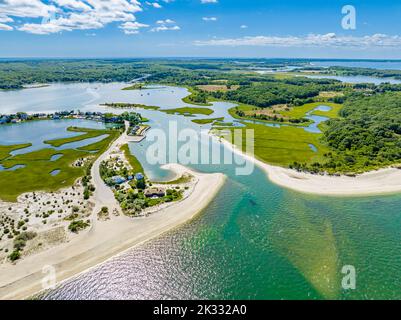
106,239
384,181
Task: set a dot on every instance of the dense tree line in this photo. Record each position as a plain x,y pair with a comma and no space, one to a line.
16,74
296,91
354,71
368,135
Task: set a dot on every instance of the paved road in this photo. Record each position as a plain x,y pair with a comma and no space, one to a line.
103,195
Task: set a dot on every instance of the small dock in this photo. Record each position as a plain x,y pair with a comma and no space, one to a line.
139,137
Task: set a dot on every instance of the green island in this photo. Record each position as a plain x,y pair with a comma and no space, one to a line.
85,134
196,97
222,124
135,86
189,111
207,121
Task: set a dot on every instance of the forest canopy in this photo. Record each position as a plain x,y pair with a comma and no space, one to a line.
368,134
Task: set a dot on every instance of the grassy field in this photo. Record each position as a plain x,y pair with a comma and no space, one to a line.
5,150
288,144
188,111
333,113
248,108
133,161
283,146
295,112
84,134
300,112
35,176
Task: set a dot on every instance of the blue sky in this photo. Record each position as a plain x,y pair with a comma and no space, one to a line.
198,28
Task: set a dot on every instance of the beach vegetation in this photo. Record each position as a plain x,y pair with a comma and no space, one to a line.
78,225
15,255
189,111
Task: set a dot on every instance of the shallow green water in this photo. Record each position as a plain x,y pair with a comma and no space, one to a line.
256,241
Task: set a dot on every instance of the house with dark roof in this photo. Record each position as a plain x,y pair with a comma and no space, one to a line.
155,193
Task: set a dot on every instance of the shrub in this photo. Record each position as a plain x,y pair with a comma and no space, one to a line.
76,226
19,244
29,235
15,255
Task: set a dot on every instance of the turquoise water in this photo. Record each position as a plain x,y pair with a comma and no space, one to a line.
254,241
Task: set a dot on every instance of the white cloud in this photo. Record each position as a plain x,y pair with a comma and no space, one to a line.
154,4
312,40
6,19
165,25
209,19
67,15
5,27
25,8
165,28
72,4
167,21
208,1
133,27
244,26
